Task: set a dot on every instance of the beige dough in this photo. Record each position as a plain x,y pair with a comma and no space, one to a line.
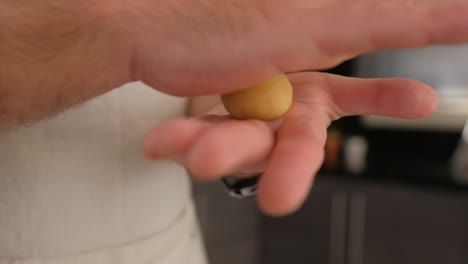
265,101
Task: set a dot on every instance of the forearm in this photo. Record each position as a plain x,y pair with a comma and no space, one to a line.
43,48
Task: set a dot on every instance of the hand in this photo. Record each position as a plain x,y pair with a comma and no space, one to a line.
292,154
54,55
220,46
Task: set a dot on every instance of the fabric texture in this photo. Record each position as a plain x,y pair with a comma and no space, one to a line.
179,243
78,182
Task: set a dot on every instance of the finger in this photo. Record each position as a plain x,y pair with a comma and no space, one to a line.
298,155
328,35
229,147
369,27
296,36
173,139
394,97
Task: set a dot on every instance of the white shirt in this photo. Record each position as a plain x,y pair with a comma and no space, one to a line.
78,182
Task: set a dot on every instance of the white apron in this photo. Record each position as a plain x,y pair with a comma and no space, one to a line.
76,189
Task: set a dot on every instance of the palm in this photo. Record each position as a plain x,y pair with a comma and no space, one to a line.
292,153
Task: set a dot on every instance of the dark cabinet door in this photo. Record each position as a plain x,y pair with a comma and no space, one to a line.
229,226
315,234
359,222
397,224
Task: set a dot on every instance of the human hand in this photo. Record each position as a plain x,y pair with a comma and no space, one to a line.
54,55
223,46
290,154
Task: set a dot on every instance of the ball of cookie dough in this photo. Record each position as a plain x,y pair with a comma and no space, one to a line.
265,101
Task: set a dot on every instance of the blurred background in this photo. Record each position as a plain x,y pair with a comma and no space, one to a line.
390,190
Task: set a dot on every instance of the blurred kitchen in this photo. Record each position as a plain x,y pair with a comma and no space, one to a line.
390,191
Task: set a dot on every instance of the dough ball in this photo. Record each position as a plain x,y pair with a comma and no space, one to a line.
265,101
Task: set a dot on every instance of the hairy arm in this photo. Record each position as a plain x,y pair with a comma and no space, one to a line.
54,55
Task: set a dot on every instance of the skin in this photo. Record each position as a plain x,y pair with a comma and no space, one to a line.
289,154
54,56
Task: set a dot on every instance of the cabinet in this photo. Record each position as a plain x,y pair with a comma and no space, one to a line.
412,225
316,233
363,222
229,226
